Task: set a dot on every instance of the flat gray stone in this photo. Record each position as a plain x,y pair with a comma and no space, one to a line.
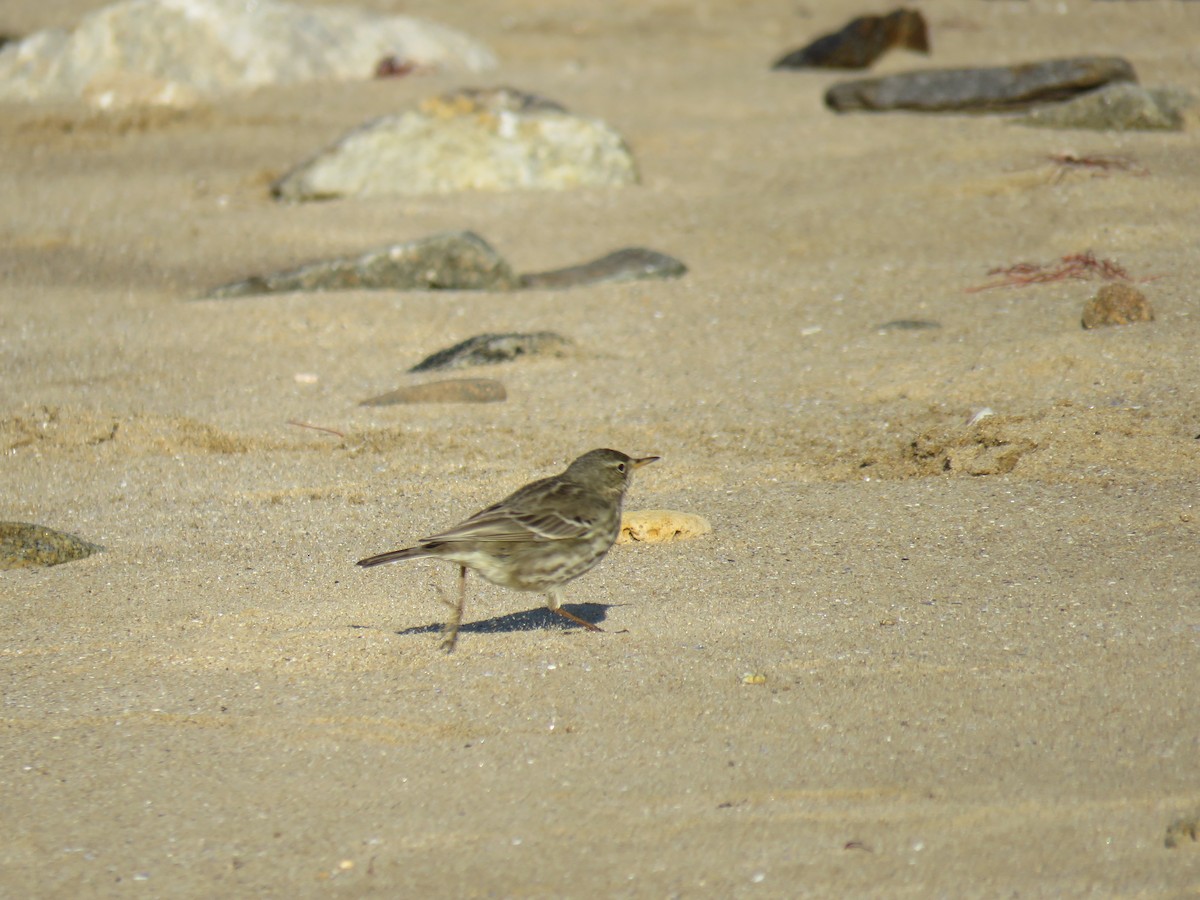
1116,107
629,264
23,546
471,140
996,89
211,47
456,261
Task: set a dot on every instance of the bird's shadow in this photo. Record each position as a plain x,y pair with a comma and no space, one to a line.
538,619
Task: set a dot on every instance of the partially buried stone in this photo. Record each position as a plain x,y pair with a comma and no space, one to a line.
454,390
25,546
1117,304
908,325
630,264
861,42
1116,107
999,89
497,139
488,349
457,261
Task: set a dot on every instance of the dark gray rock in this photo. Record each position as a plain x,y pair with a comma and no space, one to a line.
999,89
861,42
24,546
630,264
456,261
488,349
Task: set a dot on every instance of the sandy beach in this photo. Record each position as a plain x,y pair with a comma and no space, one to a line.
942,641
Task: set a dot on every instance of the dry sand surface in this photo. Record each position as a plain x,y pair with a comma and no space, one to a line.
975,684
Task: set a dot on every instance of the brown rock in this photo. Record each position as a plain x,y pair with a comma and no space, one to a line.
1117,304
453,390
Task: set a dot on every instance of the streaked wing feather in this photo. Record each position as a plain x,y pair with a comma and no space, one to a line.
515,518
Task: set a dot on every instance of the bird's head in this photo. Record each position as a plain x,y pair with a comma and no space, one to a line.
606,470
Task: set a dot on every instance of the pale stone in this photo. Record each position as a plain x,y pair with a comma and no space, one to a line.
660,526
1116,107
217,46
472,140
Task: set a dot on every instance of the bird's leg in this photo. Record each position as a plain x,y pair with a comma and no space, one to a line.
553,602
450,629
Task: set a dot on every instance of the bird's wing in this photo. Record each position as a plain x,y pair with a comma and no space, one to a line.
543,519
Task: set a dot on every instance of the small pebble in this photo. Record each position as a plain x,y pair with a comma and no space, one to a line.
908,325
1181,831
1117,304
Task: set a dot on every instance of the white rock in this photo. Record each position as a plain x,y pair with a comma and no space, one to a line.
217,46
471,140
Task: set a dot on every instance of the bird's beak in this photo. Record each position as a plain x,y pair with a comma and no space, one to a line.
645,461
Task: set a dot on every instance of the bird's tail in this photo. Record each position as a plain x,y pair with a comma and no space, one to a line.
393,556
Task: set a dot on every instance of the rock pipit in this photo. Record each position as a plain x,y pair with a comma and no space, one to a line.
537,539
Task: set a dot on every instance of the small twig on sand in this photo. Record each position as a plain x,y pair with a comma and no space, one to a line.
1078,266
1099,165
315,427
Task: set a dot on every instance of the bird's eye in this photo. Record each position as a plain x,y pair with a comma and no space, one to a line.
621,468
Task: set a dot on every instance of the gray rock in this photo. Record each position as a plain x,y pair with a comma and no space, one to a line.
456,261
629,264
454,390
459,261
471,140
908,325
24,546
216,46
997,89
1115,107
488,349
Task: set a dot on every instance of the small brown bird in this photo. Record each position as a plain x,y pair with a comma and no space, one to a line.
538,538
